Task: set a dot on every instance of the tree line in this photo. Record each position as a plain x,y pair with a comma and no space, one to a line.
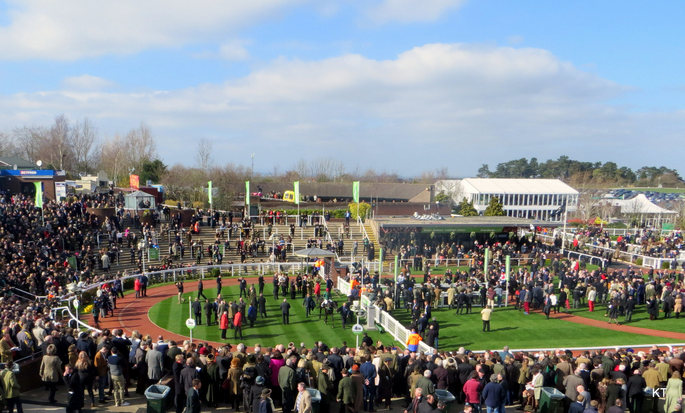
584,174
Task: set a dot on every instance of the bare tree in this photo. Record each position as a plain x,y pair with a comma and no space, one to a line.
83,137
7,145
203,156
140,146
60,141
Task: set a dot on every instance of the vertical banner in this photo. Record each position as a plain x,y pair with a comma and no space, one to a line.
507,267
380,262
355,192
397,268
485,262
38,201
209,192
134,181
296,189
247,193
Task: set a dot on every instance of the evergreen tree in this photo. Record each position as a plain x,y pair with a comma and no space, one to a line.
467,209
494,208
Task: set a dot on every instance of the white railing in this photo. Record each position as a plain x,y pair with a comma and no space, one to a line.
385,320
626,256
175,274
330,239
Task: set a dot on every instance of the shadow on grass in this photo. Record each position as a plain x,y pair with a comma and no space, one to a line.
504,329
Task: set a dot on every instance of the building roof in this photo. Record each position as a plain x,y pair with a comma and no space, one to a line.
516,186
640,205
8,162
389,191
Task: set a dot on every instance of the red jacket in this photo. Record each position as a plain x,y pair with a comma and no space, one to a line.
238,319
471,391
136,284
223,321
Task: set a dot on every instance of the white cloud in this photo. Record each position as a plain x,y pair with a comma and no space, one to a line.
86,82
408,11
234,50
439,104
67,30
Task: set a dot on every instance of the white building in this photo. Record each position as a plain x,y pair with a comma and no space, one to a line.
521,198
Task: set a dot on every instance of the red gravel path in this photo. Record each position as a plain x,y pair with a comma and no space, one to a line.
131,313
620,327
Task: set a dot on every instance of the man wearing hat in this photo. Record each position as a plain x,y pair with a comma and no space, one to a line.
346,393
326,388
385,379
266,405
256,393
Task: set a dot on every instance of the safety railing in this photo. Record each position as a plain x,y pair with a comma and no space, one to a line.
626,256
384,319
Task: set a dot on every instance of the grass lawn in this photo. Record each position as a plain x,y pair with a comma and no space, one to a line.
510,327
640,318
171,315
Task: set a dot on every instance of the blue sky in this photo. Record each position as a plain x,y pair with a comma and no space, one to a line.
393,85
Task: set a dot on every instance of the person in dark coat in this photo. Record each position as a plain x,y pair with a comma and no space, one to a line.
636,392
73,381
176,368
285,311
265,403
256,393
193,404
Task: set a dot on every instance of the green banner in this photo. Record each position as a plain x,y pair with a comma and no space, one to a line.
209,192
153,254
73,263
507,267
39,194
247,193
355,191
296,189
397,268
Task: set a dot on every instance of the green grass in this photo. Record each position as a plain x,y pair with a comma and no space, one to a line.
640,318
510,327
171,315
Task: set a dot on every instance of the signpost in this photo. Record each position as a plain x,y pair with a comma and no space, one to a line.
190,323
76,306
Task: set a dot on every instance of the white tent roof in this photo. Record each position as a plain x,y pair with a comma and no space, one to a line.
516,186
640,205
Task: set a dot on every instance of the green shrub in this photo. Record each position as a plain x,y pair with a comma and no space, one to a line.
665,265
638,261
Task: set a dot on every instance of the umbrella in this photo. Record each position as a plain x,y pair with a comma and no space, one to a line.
314,252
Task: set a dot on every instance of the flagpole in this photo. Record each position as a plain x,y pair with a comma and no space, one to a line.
563,235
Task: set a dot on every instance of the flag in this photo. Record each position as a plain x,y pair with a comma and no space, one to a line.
72,262
247,193
397,268
209,192
355,191
38,202
508,266
296,189
134,181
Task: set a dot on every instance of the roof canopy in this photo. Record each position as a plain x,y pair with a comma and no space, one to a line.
640,205
138,200
516,186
